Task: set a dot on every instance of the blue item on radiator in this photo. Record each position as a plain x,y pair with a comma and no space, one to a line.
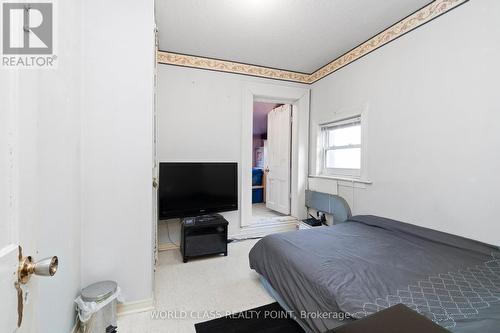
257,195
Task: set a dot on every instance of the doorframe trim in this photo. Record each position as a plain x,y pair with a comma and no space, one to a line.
299,98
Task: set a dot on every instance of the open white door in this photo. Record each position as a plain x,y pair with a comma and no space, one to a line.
9,241
18,204
278,159
8,251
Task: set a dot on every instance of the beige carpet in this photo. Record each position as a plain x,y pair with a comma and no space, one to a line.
222,284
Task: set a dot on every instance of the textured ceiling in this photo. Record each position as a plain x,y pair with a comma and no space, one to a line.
298,35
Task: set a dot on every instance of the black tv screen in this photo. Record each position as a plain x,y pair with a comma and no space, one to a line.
191,189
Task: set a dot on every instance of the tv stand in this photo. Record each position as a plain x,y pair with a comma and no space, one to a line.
203,235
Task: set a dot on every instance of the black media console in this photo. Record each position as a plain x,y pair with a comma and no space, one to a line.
203,235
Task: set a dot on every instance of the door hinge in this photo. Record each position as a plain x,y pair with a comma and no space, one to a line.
155,182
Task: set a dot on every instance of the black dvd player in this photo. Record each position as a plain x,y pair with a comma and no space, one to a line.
203,235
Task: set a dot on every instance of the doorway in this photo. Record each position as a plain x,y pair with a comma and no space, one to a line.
281,158
271,162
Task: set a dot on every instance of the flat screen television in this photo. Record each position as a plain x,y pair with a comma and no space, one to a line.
191,189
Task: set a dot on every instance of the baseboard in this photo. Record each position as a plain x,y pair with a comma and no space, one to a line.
123,309
167,246
264,230
260,230
127,308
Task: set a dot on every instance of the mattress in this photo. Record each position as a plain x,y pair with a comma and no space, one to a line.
369,263
270,290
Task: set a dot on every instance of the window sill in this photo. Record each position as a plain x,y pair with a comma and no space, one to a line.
347,179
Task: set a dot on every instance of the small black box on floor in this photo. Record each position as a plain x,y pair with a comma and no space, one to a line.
203,235
313,222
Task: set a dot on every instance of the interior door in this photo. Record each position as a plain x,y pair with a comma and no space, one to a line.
19,137
278,159
9,222
8,242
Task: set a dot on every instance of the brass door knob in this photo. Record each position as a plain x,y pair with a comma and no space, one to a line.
45,267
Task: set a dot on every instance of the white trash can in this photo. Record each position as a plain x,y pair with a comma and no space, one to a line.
96,307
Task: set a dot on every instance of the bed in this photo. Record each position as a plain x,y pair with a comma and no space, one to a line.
369,263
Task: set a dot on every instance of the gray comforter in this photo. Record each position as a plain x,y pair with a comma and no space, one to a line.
370,263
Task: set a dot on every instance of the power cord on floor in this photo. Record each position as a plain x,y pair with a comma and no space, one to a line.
235,240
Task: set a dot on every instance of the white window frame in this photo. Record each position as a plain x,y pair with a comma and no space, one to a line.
323,130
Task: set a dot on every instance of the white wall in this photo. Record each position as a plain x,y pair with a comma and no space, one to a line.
434,123
199,118
118,44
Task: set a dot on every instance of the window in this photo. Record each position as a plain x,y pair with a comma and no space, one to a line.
342,147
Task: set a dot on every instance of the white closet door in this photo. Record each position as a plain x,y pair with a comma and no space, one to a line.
278,161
